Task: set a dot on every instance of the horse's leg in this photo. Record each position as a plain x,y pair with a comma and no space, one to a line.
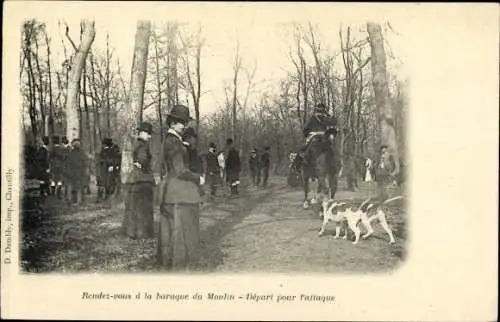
305,183
332,182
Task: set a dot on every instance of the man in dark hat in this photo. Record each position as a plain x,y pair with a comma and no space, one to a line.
266,164
233,167
254,164
212,169
105,171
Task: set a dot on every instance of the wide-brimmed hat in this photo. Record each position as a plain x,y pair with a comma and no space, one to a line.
180,113
212,146
145,127
64,140
189,132
229,141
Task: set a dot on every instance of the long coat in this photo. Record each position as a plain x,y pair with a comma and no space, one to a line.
233,165
142,156
181,185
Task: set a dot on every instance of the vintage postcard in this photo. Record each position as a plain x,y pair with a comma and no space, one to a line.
249,161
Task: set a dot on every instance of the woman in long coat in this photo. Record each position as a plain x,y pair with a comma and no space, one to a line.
178,239
139,211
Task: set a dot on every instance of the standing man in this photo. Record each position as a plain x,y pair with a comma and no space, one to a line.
385,173
254,166
212,169
233,167
266,163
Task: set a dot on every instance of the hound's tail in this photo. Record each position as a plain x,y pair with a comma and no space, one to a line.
393,199
364,203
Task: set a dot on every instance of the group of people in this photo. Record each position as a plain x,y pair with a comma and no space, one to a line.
65,170
184,172
259,166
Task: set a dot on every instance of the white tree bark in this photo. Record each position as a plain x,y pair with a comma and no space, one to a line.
72,101
136,97
381,89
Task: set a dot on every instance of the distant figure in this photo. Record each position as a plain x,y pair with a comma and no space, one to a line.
233,167
76,178
265,162
58,160
189,138
385,174
368,172
254,164
138,222
66,148
212,170
109,161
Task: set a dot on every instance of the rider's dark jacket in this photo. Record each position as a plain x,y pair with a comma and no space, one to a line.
318,123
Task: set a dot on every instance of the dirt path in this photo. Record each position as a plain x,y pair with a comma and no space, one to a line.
265,230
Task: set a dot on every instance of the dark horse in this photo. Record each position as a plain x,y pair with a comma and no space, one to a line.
320,161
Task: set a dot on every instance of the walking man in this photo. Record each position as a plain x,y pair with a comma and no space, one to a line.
212,169
266,163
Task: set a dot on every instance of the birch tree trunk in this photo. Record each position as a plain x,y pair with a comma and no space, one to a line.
136,97
72,101
381,89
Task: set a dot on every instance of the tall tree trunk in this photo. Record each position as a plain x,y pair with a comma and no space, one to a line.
136,97
72,102
50,122
108,85
41,92
381,89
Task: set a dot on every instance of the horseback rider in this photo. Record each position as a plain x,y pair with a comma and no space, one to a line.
318,124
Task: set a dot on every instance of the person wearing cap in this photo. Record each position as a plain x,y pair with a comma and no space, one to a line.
212,169
385,173
254,164
233,167
266,164
77,178
138,221
178,235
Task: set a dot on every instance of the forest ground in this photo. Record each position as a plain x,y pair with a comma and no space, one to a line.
264,230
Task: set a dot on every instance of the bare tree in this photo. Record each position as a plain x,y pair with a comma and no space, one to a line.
72,106
136,97
236,70
381,89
